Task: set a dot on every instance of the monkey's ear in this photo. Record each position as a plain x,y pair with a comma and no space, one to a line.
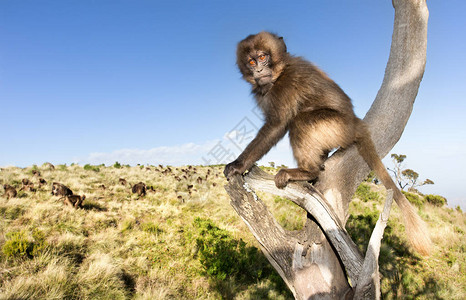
280,38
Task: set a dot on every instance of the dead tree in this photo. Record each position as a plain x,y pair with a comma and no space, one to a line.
321,261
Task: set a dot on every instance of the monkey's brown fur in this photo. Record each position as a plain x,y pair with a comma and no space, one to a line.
139,189
59,189
296,96
75,201
10,192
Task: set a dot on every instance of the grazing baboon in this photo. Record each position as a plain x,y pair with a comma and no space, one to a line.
122,181
26,181
199,180
10,192
36,173
42,182
214,184
49,165
139,189
59,189
75,201
297,97
28,188
102,187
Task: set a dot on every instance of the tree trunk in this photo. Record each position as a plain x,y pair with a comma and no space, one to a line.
315,265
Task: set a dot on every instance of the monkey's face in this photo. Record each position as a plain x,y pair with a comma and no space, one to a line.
261,58
259,66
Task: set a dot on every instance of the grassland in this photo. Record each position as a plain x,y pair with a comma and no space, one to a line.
184,241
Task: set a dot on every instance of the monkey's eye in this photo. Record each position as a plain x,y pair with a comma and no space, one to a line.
262,57
252,62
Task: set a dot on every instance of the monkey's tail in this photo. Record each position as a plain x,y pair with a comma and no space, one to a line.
416,229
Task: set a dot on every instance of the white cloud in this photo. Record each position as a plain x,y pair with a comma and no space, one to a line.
189,153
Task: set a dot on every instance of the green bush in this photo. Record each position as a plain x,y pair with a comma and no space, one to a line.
364,193
117,165
223,257
414,199
89,167
436,200
19,245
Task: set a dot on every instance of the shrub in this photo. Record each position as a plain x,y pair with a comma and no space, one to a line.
436,200
414,199
223,257
18,245
117,165
364,193
89,167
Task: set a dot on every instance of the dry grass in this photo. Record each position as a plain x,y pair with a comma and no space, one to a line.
120,246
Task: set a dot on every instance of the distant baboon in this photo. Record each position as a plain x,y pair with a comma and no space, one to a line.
75,201
102,187
10,192
36,173
139,189
49,165
59,189
199,180
26,181
214,184
28,188
148,169
42,182
122,181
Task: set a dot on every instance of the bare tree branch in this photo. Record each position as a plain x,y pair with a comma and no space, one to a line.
368,284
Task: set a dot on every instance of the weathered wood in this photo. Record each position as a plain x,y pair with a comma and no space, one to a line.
368,284
308,198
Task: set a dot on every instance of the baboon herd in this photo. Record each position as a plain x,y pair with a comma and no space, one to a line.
140,189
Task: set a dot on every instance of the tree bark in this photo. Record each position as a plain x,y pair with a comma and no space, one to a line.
313,264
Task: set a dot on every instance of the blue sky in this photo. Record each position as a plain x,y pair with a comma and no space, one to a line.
156,82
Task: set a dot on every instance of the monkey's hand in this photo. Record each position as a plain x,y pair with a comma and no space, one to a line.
282,178
233,168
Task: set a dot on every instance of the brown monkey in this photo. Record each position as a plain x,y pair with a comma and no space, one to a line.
10,192
26,181
122,181
42,182
297,97
75,201
59,189
49,165
139,188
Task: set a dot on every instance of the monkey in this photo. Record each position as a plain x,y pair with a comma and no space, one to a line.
42,182
297,97
59,189
10,192
75,201
199,180
139,188
49,165
36,173
122,181
26,181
